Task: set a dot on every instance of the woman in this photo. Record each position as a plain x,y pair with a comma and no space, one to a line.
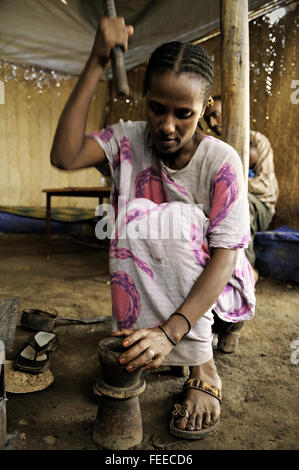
167,172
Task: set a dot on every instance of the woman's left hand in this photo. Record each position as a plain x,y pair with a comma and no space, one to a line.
147,348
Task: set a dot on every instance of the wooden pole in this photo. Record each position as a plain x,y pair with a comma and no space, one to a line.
235,78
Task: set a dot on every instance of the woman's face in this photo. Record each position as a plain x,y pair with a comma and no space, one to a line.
174,105
213,116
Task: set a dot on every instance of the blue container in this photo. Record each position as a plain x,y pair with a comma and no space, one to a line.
11,223
277,253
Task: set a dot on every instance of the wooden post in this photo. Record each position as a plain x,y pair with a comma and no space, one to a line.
235,78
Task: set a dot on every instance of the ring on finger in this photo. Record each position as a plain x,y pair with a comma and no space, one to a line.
151,352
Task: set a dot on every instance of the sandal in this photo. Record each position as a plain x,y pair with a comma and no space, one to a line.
38,320
182,411
34,358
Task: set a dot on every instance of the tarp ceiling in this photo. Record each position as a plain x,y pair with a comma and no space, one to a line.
58,34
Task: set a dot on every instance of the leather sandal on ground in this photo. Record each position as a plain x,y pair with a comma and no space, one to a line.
34,358
38,320
181,410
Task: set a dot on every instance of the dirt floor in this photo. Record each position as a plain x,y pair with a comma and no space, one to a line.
260,380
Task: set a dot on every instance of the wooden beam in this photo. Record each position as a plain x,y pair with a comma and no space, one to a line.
235,78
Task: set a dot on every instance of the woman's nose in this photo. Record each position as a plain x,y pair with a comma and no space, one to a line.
167,125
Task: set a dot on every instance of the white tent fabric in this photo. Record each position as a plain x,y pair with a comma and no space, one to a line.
58,34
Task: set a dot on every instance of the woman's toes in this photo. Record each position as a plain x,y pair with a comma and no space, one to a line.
190,426
206,421
198,423
191,423
214,418
181,423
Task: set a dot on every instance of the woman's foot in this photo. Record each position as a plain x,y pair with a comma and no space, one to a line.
203,409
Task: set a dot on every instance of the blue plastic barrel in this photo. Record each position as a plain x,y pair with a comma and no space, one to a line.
277,253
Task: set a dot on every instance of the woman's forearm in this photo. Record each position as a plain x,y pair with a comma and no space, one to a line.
204,292
70,149
71,127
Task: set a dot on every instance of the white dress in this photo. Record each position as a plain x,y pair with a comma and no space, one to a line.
167,222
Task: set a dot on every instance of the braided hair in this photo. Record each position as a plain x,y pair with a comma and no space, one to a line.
181,58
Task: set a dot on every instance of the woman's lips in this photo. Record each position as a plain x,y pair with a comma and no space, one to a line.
166,141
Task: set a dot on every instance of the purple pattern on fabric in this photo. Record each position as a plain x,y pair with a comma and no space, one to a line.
241,285
139,214
239,312
122,280
246,239
135,214
124,253
116,161
105,134
114,201
228,288
173,183
143,179
199,246
226,182
123,154
129,217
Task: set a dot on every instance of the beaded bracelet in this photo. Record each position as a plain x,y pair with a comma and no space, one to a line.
187,320
170,339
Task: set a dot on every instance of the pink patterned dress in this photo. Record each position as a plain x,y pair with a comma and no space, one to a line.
167,222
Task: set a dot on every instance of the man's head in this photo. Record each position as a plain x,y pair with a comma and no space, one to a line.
213,115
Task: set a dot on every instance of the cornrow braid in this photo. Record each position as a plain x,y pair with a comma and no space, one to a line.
181,58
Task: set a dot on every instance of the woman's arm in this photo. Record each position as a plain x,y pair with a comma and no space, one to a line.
202,296
71,150
204,292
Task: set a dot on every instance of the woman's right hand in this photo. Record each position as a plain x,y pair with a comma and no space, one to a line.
111,32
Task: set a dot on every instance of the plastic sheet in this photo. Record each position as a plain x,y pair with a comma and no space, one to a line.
58,35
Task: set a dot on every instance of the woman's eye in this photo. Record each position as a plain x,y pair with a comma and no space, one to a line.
157,108
182,114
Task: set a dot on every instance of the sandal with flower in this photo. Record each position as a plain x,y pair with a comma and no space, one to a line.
181,410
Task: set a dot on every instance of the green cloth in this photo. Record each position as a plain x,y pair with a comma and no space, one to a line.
60,214
260,218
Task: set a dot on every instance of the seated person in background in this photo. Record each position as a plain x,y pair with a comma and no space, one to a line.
262,187
262,197
262,182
